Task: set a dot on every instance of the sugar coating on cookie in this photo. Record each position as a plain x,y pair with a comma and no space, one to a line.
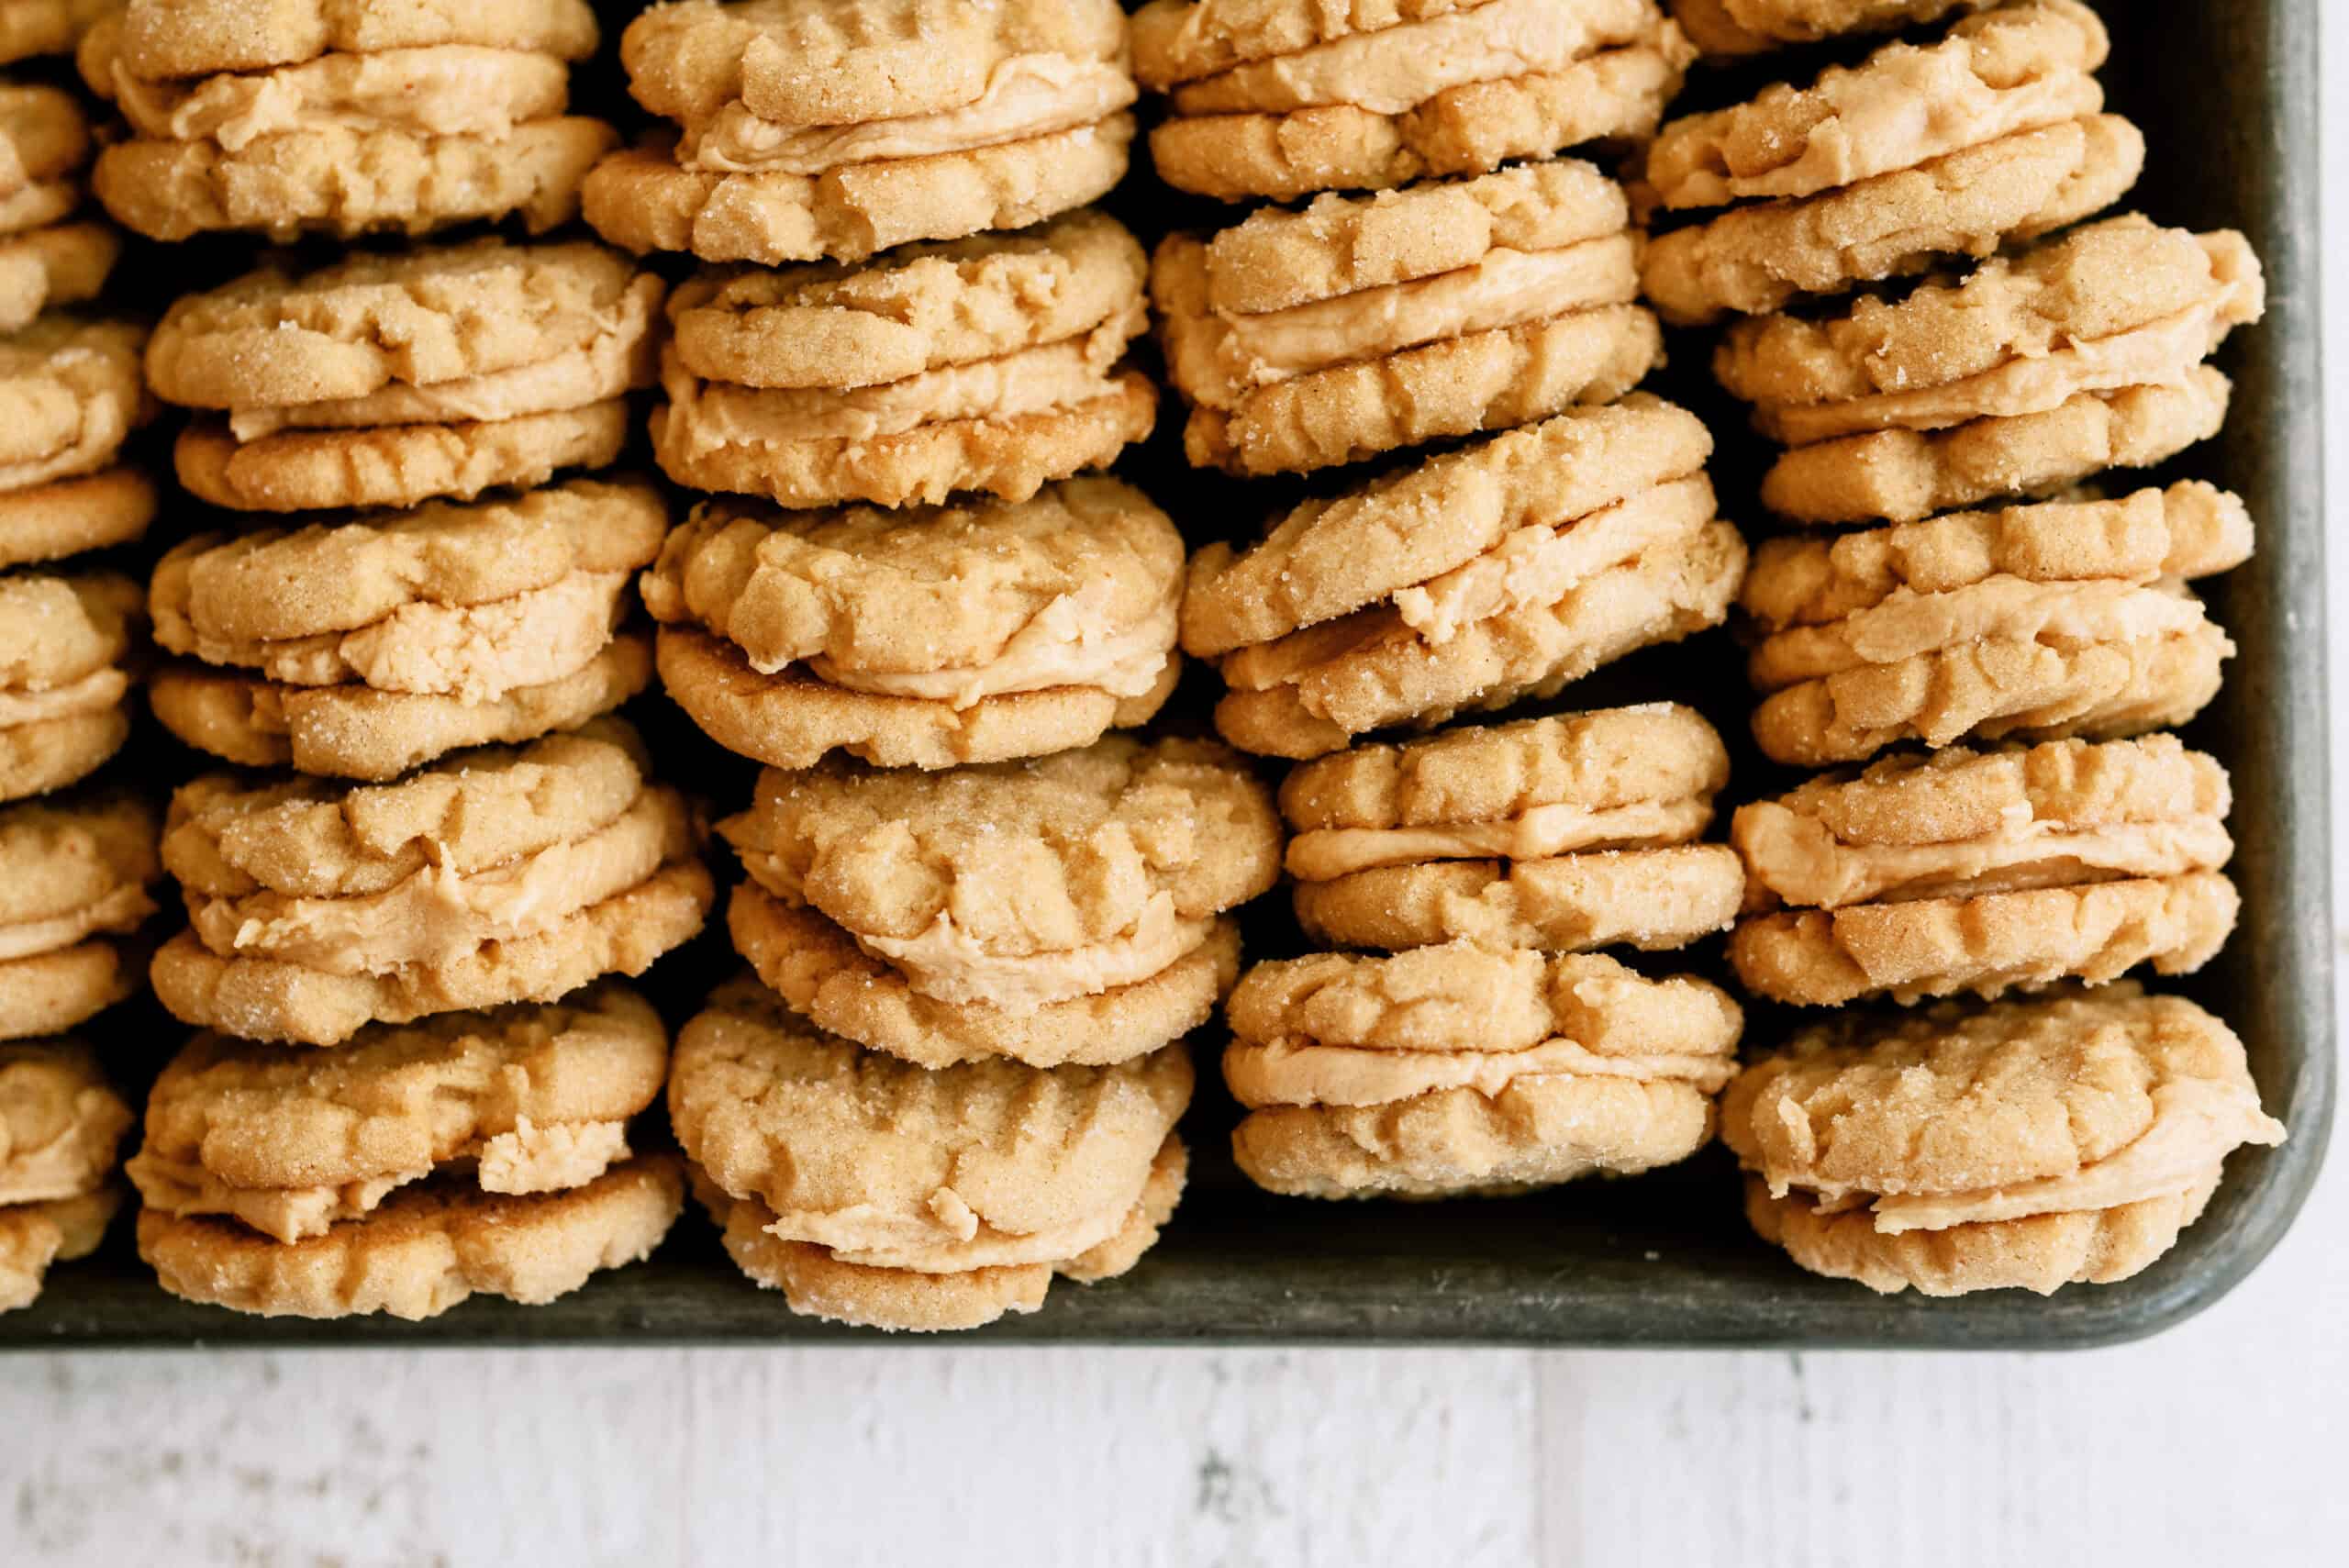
883,1163
166,39
469,601
429,1247
291,1141
2117,303
1464,1069
1285,100
2026,1144
60,1121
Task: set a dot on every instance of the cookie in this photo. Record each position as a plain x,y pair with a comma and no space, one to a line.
43,135
70,395
1286,100
1463,1070
166,39
1575,831
35,1235
64,265
292,1142
920,308
358,733
29,28
1005,425
2022,1145
74,879
1904,475
486,329
393,465
889,1165
1311,693
816,1283
428,1248
68,517
347,182
2117,303
66,644
464,601
1765,256
60,1121
2035,622
1752,27
1509,320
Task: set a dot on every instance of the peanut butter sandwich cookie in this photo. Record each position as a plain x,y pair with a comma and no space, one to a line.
388,380
1566,833
2034,622
2027,1145
452,609
1502,571
294,1142
806,130
872,1192
67,644
70,395
1463,1071
62,264
1921,153
29,28
1071,909
426,1248
1281,98
1360,325
325,116
1981,871
991,364
74,874
1753,26
926,636
60,1125
44,142
511,876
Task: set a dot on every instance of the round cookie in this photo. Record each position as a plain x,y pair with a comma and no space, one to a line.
357,732
2024,1144
396,465
64,265
62,989
820,972
471,601
44,754
426,1249
1327,559
70,395
896,1166
640,199
1765,256
60,1121
817,1283
1310,695
291,1142
74,879
29,28
920,308
2122,303
491,328
2014,68
1752,27
165,39
1285,101
349,183
68,517
35,1235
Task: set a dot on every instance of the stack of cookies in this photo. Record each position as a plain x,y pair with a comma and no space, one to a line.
60,1125
1492,1049
1966,611
48,256
323,116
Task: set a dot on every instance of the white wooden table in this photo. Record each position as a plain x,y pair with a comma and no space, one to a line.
2221,1442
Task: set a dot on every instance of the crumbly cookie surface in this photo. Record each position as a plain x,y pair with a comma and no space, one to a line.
60,1121
166,39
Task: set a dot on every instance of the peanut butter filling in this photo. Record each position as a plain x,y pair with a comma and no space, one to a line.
1907,625
1321,854
94,693
122,909
1287,1074
946,963
444,90
1027,95
1065,645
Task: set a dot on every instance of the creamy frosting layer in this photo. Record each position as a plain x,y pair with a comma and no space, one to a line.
1800,861
442,91
945,962
1065,645
1323,853
121,910
1284,1075
94,693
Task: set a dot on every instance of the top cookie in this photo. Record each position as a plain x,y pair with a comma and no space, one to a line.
845,62
1063,852
2022,66
1181,40
166,39
1328,558
59,1121
1989,1100
72,865
417,317
28,27
901,1166
917,308
1750,26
